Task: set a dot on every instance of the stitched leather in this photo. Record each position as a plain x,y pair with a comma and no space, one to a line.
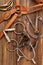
7,14
9,24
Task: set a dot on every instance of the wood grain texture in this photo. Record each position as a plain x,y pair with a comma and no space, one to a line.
9,58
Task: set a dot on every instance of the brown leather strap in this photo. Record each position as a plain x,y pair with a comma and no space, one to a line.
9,24
34,8
9,13
31,9
23,11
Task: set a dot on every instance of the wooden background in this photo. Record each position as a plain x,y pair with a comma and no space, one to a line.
8,58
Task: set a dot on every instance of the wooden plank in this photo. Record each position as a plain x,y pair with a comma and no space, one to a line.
1,54
4,54
11,58
40,45
2,41
25,51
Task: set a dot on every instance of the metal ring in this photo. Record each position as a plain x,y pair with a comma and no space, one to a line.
12,41
22,26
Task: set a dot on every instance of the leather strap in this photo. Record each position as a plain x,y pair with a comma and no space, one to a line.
34,8
9,13
23,11
9,24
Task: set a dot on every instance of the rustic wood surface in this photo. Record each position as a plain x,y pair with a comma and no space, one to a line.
8,58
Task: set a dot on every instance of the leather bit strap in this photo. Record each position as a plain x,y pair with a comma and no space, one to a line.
33,9
9,24
7,14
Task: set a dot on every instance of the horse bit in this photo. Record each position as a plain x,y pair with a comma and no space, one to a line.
26,34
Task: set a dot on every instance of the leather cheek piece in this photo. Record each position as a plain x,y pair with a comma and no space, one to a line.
7,15
9,24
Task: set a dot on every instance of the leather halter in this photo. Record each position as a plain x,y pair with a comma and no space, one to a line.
15,11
